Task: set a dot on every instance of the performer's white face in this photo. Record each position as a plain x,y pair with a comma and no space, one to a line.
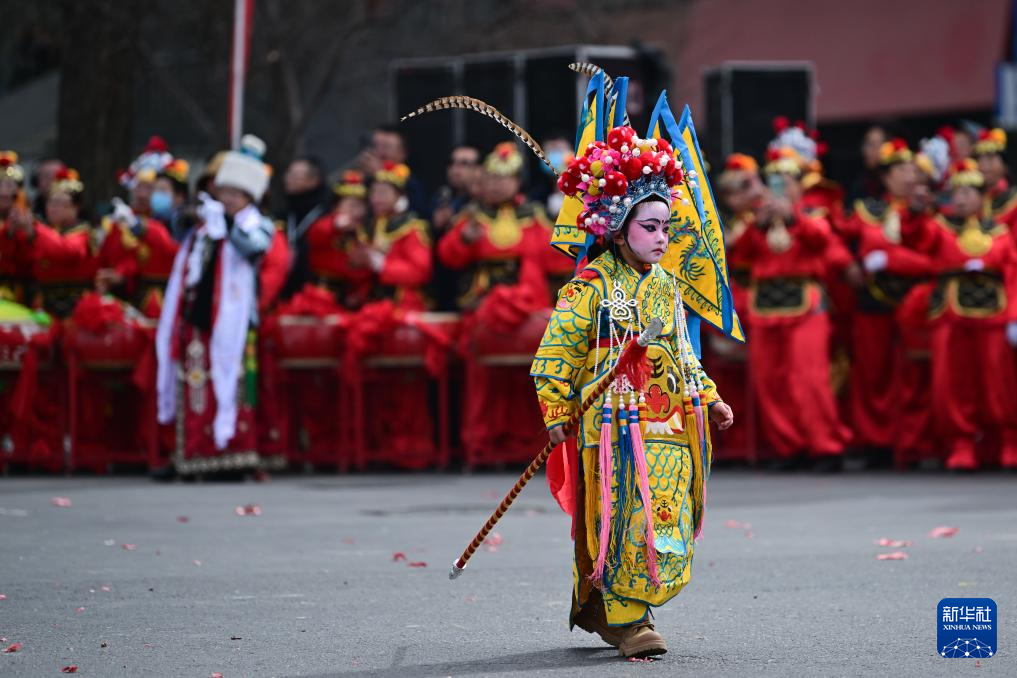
647,232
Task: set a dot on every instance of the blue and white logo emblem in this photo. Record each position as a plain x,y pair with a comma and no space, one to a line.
967,628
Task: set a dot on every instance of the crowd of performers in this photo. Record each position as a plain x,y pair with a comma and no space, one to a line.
887,326
188,331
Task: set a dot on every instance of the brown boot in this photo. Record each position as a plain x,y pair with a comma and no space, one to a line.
640,640
592,619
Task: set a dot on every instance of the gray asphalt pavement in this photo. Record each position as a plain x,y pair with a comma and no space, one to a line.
786,581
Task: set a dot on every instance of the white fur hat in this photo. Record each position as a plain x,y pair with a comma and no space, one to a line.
244,169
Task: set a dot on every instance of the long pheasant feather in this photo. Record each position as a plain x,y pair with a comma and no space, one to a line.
471,104
590,70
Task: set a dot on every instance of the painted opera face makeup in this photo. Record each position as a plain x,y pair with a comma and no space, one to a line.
648,231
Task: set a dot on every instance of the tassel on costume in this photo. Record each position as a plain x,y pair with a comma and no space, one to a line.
696,449
639,454
251,369
634,366
606,475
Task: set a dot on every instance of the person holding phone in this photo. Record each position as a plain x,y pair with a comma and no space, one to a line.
787,252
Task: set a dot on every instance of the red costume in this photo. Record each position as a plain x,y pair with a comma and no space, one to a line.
143,254
390,377
505,295
891,269
790,334
974,375
876,348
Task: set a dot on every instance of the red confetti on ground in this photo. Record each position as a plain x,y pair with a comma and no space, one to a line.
248,510
978,663
69,669
129,547
736,525
493,541
641,659
61,502
183,519
418,563
943,531
397,556
216,675
896,555
749,534
3,597
80,610
197,563
13,648
894,543
348,540
107,589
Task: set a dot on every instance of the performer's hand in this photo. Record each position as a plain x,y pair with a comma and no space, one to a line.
359,257
441,217
875,261
1011,333
21,220
122,213
472,232
557,435
106,279
343,222
722,415
784,209
854,276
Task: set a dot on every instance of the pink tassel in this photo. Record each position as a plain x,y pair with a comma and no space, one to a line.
606,475
639,452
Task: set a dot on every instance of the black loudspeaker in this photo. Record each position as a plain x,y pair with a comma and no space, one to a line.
742,99
535,88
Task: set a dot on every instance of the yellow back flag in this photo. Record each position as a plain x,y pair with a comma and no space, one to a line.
696,254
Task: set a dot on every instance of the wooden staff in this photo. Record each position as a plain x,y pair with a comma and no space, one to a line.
633,353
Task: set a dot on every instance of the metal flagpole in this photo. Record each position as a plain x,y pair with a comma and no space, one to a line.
238,68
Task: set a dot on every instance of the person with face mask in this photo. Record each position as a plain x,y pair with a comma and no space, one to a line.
974,322
137,250
170,196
